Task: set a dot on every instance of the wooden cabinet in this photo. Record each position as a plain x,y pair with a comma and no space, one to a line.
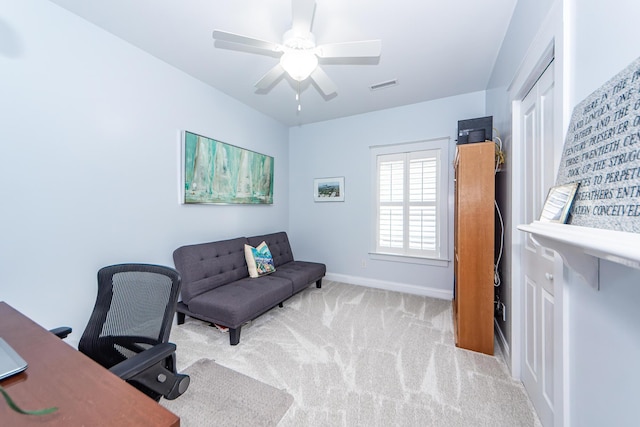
474,246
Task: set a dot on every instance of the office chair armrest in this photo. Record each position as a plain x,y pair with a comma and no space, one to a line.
141,361
61,332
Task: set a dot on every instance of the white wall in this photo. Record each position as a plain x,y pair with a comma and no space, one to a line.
603,326
339,234
89,131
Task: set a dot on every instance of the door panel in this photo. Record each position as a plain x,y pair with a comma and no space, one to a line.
530,134
531,340
547,171
547,348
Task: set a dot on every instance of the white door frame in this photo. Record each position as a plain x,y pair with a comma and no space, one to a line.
537,263
547,44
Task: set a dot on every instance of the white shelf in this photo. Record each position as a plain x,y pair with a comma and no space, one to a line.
582,247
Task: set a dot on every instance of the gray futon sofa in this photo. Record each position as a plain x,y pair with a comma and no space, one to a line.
216,286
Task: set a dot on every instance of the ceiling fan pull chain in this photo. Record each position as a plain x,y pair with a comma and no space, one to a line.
298,97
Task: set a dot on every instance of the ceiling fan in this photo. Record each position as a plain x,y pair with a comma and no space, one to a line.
299,53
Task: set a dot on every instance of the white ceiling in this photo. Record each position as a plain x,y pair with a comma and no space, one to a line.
433,48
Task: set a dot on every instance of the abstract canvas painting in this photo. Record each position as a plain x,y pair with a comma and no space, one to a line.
216,172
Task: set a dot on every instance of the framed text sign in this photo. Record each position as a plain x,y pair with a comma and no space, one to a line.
602,153
216,172
556,207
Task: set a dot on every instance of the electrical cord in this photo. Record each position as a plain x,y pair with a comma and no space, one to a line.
496,275
499,152
499,161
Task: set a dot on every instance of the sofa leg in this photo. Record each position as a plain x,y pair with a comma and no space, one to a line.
319,283
234,335
181,317
281,305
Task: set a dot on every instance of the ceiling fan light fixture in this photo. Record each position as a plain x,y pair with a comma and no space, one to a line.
299,64
299,54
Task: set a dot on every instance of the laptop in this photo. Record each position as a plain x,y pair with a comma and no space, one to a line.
10,362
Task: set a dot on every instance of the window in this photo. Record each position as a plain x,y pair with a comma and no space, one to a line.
410,192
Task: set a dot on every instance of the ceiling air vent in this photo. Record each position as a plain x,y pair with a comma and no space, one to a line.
383,85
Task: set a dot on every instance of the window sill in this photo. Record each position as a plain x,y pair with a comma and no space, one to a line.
436,262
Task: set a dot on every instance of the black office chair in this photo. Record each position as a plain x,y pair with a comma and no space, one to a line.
128,330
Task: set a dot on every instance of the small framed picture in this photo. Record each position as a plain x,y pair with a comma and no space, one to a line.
556,207
328,189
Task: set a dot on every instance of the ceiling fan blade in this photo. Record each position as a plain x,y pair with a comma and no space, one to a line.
245,40
323,81
359,49
302,11
268,79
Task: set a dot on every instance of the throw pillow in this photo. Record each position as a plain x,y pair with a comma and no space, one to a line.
251,262
259,260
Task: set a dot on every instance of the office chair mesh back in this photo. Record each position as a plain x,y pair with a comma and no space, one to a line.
134,311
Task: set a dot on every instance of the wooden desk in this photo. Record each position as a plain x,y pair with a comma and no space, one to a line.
85,393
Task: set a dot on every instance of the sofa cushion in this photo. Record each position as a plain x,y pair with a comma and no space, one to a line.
242,301
301,273
208,266
259,260
278,245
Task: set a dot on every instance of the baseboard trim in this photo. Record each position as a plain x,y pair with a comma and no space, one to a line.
391,286
502,342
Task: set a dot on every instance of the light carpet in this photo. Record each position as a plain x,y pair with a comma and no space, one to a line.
219,396
356,356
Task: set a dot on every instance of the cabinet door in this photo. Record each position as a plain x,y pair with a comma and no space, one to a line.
474,236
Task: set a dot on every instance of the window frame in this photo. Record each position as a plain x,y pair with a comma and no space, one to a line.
441,254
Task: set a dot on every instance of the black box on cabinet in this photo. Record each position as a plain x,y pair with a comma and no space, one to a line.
475,130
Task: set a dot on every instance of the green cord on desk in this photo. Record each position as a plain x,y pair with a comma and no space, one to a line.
16,408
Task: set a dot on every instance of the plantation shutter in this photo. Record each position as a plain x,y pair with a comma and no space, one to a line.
407,191
391,195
